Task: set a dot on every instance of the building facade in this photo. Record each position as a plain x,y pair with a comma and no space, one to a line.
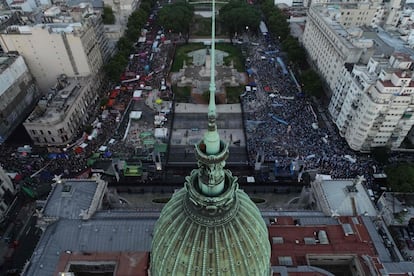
18,93
7,193
372,105
334,34
59,115
328,45
73,49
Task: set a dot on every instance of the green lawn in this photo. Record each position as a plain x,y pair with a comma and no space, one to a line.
234,54
233,94
182,51
181,55
182,94
201,27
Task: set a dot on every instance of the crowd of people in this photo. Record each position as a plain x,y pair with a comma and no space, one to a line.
37,164
282,125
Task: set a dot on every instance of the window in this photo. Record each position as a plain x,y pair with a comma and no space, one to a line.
285,260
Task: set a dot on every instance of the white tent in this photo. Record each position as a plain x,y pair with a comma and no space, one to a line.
135,115
161,132
102,148
137,94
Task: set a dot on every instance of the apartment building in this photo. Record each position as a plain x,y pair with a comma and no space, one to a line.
333,34
75,49
405,25
18,93
361,14
372,104
62,112
329,44
7,193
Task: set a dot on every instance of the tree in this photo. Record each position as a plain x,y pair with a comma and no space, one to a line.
236,16
278,25
177,18
312,83
267,6
276,20
104,101
146,6
380,154
136,21
108,16
88,129
295,51
124,46
400,178
116,66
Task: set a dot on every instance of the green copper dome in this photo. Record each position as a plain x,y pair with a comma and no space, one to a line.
222,236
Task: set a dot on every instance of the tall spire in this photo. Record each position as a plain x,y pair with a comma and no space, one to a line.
211,138
211,152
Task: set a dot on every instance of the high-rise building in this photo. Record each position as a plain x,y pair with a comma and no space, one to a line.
333,36
328,45
372,104
74,49
210,226
18,93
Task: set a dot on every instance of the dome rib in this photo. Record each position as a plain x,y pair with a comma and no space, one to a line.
248,241
183,243
240,247
217,249
170,227
229,253
205,251
193,248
